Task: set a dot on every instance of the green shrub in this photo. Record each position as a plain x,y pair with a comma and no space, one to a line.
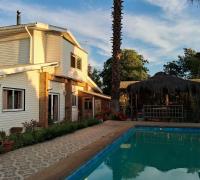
17,138
33,136
39,135
91,122
28,139
1,149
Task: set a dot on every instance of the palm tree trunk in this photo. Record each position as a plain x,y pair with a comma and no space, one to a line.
116,53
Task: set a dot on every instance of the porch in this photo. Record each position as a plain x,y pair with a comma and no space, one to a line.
91,103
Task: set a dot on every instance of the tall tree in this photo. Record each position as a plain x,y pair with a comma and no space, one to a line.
116,52
132,68
186,66
94,74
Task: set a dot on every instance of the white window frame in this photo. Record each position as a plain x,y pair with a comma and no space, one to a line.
76,60
13,90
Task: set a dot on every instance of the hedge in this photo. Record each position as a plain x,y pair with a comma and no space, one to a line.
44,134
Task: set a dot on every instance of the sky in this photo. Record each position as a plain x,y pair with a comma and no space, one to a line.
156,29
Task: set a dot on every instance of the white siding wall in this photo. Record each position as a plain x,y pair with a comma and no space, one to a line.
30,82
39,46
53,48
65,63
14,52
56,87
75,109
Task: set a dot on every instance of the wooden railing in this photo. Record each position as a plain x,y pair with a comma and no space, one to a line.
161,112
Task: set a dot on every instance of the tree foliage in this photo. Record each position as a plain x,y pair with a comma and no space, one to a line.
94,74
186,66
132,68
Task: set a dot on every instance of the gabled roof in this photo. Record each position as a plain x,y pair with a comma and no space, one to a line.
43,27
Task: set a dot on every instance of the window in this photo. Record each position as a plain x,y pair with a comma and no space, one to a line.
88,104
79,63
74,100
76,62
13,99
73,61
97,106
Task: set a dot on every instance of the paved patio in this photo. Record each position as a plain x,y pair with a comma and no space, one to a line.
23,163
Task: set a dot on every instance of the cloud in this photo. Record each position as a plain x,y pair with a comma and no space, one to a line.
170,6
158,37
92,26
163,36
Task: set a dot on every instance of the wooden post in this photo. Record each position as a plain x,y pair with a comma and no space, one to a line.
132,106
136,106
68,101
43,100
93,106
166,99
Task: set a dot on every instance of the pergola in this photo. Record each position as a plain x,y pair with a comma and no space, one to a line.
164,97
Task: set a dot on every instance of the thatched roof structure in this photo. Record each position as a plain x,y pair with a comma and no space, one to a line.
161,82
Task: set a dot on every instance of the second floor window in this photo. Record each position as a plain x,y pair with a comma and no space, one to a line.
76,62
73,61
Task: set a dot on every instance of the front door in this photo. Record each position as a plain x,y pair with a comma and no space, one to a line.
53,107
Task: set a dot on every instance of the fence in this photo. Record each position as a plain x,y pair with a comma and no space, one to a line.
161,112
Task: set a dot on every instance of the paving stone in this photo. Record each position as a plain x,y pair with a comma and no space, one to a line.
21,163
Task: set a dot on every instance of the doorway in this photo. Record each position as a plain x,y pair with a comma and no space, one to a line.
53,106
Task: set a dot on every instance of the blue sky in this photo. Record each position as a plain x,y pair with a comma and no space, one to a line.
157,29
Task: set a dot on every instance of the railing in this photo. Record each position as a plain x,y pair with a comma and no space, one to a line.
161,112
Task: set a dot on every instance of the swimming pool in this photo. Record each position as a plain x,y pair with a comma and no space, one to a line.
151,153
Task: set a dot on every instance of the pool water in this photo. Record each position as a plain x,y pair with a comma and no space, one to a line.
151,155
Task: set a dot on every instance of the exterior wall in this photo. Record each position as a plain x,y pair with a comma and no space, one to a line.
30,82
53,48
14,52
39,47
84,56
59,88
65,63
75,109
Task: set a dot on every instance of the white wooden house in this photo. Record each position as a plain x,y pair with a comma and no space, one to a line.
44,75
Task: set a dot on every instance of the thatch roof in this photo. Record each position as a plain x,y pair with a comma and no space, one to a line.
162,82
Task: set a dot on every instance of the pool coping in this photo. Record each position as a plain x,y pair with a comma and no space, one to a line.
64,168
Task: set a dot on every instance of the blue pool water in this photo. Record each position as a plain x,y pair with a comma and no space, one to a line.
147,153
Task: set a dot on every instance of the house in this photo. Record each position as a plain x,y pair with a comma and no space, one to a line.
44,75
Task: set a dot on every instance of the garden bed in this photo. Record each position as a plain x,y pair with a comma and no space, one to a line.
34,136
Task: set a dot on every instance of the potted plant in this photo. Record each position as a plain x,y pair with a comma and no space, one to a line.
7,145
2,137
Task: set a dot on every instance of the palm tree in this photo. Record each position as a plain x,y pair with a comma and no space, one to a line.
116,52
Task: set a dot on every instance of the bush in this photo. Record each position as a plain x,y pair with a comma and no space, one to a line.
17,138
118,116
103,115
30,126
1,149
33,136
